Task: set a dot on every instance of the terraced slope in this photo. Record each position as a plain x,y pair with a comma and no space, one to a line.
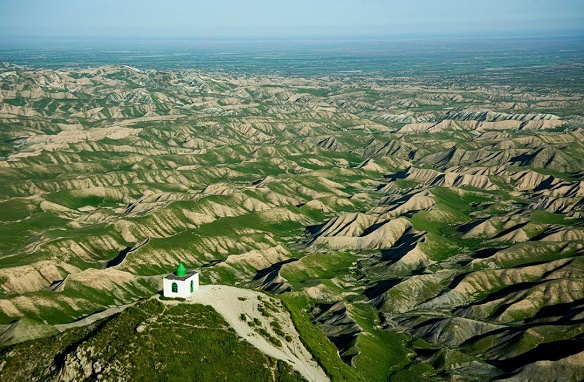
429,232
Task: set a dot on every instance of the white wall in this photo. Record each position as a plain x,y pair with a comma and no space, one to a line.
195,279
184,286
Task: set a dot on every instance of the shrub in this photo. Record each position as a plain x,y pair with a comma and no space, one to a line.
262,309
164,298
276,325
275,341
263,332
277,328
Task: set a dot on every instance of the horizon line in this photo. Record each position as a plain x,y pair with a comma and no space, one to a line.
21,38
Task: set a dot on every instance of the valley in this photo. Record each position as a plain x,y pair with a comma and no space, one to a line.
429,229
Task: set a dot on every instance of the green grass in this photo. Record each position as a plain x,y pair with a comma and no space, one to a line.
17,209
317,266
15,234
315,341
184,342
6,149
461,200
318,92
519,344
75,301
438,219
381,351
537,252
73,200
18,101
417,372
546,217
439,248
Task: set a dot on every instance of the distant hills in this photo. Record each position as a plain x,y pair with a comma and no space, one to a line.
414,229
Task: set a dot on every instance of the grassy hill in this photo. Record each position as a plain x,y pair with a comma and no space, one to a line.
147,342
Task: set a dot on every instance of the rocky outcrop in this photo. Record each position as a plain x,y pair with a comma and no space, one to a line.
336,323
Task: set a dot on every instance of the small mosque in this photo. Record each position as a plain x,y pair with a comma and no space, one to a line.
180,283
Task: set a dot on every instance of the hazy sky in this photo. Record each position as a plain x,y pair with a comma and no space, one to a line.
301,18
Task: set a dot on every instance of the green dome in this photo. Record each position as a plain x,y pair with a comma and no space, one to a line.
181,270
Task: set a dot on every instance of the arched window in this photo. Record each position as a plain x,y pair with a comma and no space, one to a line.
192,286
174,288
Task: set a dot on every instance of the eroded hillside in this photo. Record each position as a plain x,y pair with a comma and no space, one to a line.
428,231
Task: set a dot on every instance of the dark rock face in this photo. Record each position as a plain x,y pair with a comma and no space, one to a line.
269,279
339,327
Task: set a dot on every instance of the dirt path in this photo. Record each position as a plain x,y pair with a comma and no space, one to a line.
231,302
94,317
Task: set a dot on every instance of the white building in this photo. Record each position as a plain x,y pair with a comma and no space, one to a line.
181,283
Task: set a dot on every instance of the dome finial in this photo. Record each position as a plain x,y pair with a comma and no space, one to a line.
181,270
